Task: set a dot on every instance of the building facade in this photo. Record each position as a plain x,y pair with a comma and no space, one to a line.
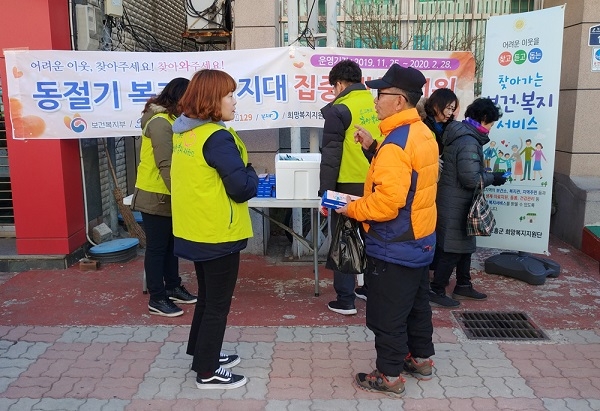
47,210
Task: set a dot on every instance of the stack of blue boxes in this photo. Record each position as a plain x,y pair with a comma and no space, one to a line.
266,185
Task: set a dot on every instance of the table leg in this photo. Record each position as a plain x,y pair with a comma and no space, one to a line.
264,231
316,227
314,219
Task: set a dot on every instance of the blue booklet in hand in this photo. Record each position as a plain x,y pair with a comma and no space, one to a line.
334,199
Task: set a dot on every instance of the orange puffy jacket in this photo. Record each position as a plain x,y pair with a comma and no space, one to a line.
398,206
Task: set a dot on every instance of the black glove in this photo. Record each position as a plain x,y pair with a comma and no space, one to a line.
499,179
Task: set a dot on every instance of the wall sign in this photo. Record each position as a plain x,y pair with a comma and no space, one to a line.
594,39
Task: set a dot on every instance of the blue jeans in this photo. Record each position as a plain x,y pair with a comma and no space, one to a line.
398,313
216,282
160,264
527,170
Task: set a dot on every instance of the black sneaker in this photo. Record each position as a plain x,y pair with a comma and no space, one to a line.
462,292
361,293
181,295
166,308
221,379
339,308
442,300
228,361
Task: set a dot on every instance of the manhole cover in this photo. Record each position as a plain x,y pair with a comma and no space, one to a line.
493,325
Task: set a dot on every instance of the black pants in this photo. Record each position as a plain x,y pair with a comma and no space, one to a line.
160,264
445,264
216,282
398,313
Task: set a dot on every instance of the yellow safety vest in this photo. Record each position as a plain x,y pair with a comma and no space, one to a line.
202,210
148,176
354,165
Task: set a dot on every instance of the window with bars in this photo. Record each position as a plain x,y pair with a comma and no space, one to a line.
7,217
443,25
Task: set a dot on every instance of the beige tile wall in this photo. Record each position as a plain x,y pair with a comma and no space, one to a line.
578,132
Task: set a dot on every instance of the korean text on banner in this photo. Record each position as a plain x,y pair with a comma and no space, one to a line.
86,94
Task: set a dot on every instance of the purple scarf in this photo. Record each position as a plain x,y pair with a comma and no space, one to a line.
477,125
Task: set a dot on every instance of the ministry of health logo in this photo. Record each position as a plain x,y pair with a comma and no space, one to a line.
77,124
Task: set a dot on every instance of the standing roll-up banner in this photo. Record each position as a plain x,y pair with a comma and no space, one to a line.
523,54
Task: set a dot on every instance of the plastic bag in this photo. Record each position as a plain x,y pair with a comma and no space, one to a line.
347,250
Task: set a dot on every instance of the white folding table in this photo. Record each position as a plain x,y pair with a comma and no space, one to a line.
258,203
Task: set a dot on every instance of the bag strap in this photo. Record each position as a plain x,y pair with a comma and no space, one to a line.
479,188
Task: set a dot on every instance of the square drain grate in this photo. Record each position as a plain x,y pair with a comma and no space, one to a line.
494,325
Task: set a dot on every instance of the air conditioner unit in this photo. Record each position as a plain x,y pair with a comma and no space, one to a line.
207,14
89,26
113,8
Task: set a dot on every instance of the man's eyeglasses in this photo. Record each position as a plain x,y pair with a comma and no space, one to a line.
379,93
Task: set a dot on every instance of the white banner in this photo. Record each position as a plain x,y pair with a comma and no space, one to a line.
58,94
523,54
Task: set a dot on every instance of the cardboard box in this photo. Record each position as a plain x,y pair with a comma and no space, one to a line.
334,199
88,264
297,176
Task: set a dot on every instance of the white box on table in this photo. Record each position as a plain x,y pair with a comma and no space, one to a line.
297,176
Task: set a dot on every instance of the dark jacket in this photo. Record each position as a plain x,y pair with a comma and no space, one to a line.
463,166
438,130
161,134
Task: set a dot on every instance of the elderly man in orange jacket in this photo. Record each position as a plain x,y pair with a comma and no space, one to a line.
399,215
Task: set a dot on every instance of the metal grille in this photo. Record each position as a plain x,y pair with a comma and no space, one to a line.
157,25
479,325
413,24
7,218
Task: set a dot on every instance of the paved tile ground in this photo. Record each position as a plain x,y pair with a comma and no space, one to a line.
289,368
76,341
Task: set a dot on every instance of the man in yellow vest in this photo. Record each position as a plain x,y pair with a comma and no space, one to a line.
343,164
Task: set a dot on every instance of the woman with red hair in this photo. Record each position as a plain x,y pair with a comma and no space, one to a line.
212,182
